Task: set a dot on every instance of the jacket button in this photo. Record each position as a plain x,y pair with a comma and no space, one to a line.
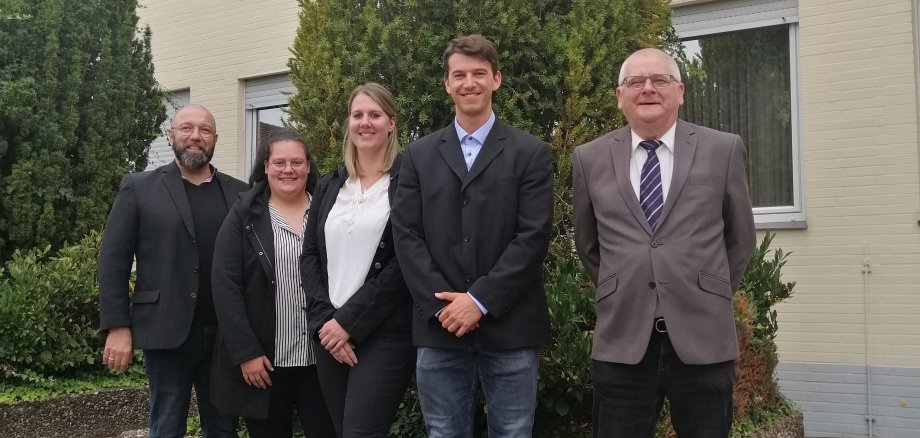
273,281
466,201
193,295
382,245
195,269
377,265
261,253
654,244
651,285
466,239
247,228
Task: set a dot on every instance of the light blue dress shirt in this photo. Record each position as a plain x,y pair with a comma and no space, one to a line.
471,144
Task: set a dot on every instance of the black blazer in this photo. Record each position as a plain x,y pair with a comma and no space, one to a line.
382,305
151,219
243,278
485,231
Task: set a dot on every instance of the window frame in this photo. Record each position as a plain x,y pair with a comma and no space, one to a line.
261,93
741,15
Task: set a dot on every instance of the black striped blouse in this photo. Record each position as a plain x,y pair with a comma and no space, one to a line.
292,342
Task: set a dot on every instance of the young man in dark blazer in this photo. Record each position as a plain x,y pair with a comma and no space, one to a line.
471,222
664,226
167,220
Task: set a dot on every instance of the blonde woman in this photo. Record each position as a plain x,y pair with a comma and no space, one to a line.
359,306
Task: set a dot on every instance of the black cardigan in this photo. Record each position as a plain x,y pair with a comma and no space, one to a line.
382,306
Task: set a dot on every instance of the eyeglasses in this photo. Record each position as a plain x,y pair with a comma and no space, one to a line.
204,131
280,164
658,81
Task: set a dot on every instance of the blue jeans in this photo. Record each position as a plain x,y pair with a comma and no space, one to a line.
448,381
171,374
628,398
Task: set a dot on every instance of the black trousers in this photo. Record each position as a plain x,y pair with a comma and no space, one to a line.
293,387
363,399
628,398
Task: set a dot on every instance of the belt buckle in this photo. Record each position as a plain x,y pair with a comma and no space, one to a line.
660,326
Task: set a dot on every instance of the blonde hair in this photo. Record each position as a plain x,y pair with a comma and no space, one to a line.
381,96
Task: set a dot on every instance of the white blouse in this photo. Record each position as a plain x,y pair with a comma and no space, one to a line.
353,231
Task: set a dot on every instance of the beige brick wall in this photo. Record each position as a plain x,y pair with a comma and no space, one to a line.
211,48
858,100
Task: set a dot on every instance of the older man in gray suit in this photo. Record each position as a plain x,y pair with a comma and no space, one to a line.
663,224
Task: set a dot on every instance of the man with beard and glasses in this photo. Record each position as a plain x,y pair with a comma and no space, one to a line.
167,221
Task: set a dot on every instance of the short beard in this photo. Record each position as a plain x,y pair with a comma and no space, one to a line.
192,161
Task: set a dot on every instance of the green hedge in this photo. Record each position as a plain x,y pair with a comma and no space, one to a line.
49,312
49,320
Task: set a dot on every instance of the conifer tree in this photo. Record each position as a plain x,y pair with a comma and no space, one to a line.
78,109
559,60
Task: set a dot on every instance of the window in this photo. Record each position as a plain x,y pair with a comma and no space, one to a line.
741,78
265,102
160,151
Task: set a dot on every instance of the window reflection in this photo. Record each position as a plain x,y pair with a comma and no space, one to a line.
739,82
268,120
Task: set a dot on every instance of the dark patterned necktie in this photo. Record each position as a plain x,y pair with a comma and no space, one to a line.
650,195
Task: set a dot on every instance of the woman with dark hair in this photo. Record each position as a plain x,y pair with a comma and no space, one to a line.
359,306
264,362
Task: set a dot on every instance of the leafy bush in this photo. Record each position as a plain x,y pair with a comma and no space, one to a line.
48,311
758,401
564,391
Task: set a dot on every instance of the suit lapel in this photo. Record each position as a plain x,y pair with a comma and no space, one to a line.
622,157
173,180
684,150
494,144
450,150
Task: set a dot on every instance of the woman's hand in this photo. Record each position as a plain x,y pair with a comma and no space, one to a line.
255,372
332,336
345,354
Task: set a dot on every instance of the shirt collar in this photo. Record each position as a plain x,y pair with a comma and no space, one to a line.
480,134
210,178
667,138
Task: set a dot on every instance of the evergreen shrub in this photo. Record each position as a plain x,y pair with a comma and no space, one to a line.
49,311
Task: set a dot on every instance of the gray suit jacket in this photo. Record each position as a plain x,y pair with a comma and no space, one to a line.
693,261
151,221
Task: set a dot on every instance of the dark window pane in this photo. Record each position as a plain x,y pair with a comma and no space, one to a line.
739,82
268,120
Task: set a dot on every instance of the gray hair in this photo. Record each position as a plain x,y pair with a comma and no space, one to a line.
675,71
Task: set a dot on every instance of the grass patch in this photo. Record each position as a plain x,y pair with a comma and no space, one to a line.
33,387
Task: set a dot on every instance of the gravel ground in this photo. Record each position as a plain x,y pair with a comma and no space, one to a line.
101,414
